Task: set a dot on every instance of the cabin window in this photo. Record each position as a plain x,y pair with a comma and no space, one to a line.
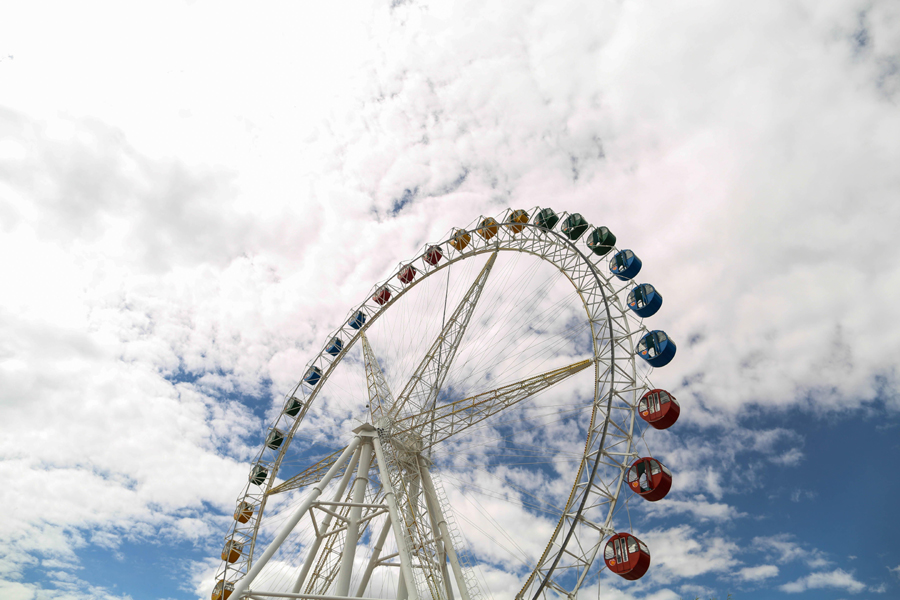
647,346
632,475
621,551
638,297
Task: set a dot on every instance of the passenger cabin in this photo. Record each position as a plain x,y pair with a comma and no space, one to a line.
625,265
433,255
335,346
516,218
546,219
358,320
243,512
232,551
294,405
656,348
258,475
274,439
659,408
489,228
382,296
313,375
649,479
407,274
644,300
574,226
222,590
601,241
627,556
460,239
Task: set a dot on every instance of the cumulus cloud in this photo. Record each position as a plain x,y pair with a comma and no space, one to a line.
838,578
698,507
684,552
784,549
758,573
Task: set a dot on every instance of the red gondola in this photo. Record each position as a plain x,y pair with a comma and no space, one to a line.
649,479
659,408
627,556
382,295
407,274
433,255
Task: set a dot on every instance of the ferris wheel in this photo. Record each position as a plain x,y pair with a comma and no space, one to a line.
422,453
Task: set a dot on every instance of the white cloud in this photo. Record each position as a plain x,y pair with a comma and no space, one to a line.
758,573
783,549
683,552
698,507
832,579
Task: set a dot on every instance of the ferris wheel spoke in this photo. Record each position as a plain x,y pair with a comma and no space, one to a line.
423,387
452,418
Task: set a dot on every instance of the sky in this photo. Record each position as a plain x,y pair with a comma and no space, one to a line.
193,194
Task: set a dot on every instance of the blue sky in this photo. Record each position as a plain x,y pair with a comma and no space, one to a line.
193,195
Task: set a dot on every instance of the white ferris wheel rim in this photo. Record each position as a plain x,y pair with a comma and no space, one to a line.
617,388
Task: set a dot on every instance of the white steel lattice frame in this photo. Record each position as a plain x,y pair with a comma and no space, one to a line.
587,516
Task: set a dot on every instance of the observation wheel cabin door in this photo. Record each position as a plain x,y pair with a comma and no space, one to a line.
643,477
620,551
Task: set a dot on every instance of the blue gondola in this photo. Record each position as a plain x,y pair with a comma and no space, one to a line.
357,321
625,265
313,375
335,347
644,300
656,348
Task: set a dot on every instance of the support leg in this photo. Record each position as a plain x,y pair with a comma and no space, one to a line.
396,523
240,587
376,553
439,544
352,539
326,523
430,492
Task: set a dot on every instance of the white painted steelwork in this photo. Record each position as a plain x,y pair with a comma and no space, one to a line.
401,432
